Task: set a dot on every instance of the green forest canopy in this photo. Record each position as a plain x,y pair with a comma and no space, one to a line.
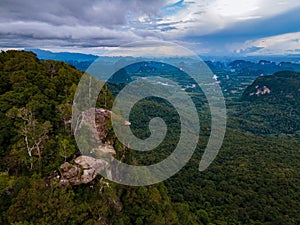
254,180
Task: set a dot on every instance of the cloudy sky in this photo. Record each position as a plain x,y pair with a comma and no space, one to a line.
209,27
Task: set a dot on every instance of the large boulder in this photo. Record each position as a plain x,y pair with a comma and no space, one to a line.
83,171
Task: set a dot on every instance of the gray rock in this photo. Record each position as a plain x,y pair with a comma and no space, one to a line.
83,171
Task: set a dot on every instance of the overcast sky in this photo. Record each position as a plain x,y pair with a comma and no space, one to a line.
214,27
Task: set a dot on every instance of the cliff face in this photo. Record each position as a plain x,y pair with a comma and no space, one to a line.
96,120
86,167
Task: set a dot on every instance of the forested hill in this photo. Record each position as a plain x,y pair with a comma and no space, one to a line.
271,105
35,139
280,87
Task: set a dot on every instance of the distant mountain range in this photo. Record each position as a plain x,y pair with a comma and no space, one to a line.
273,58
244,66
263,67
62,56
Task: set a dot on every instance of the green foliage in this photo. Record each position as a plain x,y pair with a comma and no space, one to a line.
273,113
283,86
254,179
34,88
65,147
35,113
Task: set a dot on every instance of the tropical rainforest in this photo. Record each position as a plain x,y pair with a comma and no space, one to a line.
255,178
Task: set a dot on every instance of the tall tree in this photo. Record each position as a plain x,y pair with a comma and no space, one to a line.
65,111
33,132
66,148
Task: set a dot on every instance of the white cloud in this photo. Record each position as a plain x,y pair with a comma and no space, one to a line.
205,17
279,44
233,8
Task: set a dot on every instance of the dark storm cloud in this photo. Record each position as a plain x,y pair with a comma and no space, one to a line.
22,22
72,12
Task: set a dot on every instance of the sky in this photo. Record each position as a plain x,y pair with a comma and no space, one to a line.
208,27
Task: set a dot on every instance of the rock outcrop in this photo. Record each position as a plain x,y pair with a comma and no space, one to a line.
95,119
86,167
83,171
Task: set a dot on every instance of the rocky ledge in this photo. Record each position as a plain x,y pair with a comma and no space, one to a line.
85,168
83,171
